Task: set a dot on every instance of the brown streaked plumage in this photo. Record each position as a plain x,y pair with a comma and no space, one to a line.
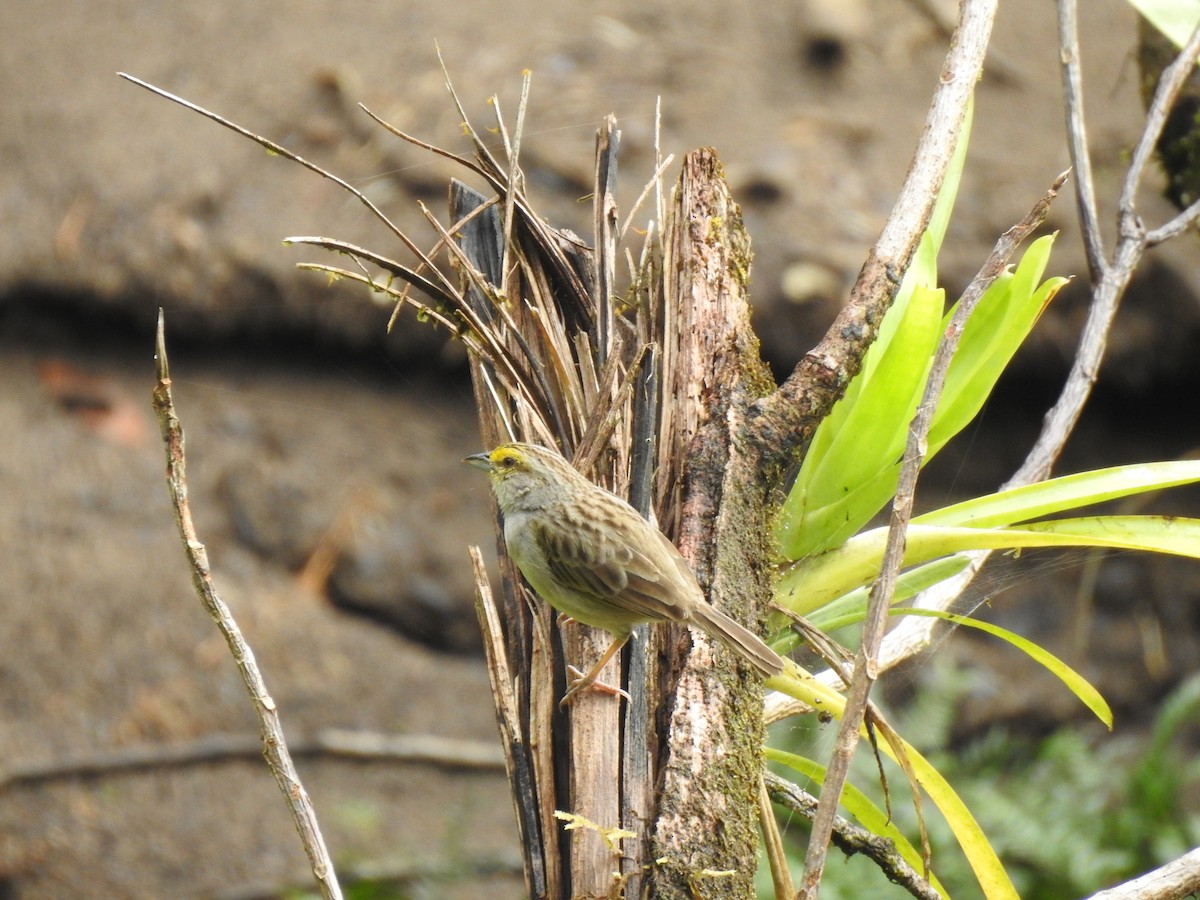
590,555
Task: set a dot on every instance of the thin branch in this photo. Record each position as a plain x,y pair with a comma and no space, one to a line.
1177,880
274,746
1114,277
1170,83
1175,227
428,749
851,839
785,420
902,233
1081,160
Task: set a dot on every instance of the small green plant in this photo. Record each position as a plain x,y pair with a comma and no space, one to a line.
851,472
1070,813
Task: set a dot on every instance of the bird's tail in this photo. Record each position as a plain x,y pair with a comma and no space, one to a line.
741,640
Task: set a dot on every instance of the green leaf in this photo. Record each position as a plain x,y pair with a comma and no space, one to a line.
1175,18
1066,492
813,582
851,608
870,439
809,521
986,865
853,463
997,327
859,805
924,265
1079,685
995,330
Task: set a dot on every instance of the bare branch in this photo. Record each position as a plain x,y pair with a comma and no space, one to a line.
1175,227
1108,289
1081,160
851,839
274,746
1169,85
1176,880
428,749
872,294
784,421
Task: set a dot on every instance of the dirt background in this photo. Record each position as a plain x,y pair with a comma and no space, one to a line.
308,426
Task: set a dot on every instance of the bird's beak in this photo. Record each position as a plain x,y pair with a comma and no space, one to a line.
480,461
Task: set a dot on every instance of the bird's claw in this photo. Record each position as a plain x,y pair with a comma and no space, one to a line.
577,683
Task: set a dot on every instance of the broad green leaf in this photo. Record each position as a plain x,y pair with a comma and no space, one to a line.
1079,685
1066,492
813,582
995,330
859,805
798,533
870,438
1175,18
798,683
853,463
997,327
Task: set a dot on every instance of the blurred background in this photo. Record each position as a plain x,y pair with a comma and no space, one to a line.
324,452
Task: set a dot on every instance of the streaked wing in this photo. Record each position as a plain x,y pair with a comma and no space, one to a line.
606,563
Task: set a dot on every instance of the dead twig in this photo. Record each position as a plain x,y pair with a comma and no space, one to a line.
274,746
1177,880
781,876
421,749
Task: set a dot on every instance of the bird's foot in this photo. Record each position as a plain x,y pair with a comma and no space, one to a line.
577,683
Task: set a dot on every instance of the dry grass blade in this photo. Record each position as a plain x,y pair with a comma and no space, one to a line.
481,150
508,714
280,150
450,299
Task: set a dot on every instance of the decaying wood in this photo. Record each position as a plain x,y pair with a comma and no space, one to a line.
712,757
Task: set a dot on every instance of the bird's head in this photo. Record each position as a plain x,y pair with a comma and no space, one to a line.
519,470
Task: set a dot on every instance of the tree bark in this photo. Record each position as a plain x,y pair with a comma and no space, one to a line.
705,836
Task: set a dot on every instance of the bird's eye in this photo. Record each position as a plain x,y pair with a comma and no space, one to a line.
508,462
